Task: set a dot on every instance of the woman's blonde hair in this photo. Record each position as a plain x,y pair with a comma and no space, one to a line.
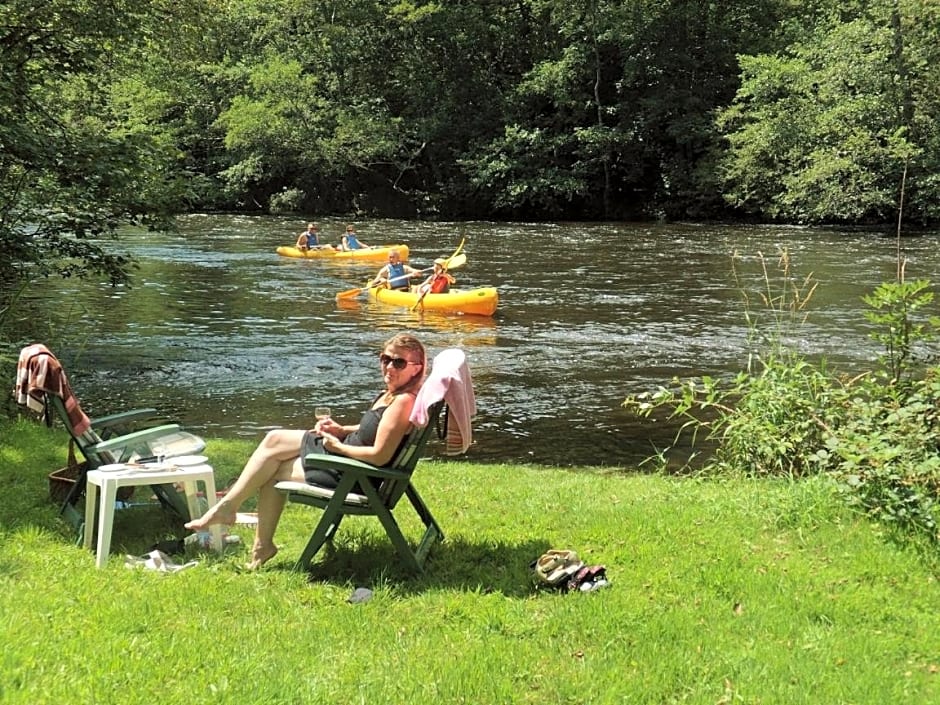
406,341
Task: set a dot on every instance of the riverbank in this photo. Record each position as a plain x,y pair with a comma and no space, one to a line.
739,591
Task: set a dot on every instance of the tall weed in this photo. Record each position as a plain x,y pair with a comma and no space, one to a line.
771,418
877,435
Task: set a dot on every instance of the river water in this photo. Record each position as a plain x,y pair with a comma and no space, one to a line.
220,333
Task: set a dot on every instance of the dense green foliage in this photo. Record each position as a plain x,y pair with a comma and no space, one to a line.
514,109
877,435
72,167
506,108
588,109
830,128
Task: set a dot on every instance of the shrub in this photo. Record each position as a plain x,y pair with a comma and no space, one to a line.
768,423
886,454
288,200
877,435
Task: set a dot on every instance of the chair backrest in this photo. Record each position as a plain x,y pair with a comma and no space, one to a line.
410,453
407,458
42,385
84,441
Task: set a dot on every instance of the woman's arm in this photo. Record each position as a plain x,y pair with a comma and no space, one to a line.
330,427
393,427
381,276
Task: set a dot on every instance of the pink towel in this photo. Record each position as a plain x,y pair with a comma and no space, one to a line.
38,373
451,381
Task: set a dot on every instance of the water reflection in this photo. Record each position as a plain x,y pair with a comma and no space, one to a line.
223,334
470,330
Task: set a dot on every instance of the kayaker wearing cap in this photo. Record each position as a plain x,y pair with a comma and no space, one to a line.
440,280
396,274
309,239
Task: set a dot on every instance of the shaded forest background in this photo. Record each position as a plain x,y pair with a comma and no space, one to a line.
811,111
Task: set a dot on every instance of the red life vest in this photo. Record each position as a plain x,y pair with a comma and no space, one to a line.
440,285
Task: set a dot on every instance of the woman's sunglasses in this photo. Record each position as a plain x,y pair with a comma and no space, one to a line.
399,363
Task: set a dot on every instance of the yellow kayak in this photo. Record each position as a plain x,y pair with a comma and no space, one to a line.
481,302
372,253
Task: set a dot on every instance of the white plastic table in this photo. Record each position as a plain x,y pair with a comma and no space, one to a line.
109,481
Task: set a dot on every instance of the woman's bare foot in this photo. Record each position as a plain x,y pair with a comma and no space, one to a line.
261,555
221,513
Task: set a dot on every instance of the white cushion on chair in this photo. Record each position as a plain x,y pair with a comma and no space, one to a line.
305,488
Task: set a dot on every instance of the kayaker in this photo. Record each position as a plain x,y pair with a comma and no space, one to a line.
351,241
440,280
375,440
309,239
396,274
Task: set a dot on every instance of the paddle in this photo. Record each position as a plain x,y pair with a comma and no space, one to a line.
444,267
353,293
455,263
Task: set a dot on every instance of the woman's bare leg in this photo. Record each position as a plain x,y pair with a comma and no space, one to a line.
270,462
270,505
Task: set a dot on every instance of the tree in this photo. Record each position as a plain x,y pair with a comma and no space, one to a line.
614,115
825,131
71,169
366,105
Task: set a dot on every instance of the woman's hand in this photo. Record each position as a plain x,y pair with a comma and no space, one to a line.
330,442
329,427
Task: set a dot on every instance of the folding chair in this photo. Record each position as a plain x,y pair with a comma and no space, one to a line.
43,386
381,489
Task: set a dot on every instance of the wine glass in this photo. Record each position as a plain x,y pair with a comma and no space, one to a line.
159,451
321,412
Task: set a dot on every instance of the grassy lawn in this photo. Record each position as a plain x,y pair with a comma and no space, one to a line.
722,592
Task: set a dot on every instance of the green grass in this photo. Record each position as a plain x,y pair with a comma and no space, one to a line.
722,592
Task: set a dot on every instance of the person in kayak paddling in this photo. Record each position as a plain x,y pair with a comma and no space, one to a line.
309,239
376,439
440,280
396,274
351,240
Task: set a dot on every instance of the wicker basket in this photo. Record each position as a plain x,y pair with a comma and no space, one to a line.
62,481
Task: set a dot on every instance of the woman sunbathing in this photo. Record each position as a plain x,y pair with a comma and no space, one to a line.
375,440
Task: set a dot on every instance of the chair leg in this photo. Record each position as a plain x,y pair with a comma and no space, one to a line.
332,532
393,530
328,524
325,530
433,532
398,539
170,499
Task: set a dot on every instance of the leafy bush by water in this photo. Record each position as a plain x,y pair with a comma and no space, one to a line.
877,435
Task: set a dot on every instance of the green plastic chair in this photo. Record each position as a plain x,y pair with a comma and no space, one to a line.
109,440
381,489
117,438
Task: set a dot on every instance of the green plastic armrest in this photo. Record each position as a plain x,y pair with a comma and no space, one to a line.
138,437
319,461
123,417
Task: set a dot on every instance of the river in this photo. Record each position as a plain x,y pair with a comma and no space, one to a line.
220,333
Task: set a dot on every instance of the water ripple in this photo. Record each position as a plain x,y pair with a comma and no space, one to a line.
220,333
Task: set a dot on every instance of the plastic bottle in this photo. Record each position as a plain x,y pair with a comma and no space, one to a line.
202,537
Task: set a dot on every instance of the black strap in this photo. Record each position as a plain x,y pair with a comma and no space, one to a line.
442,421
